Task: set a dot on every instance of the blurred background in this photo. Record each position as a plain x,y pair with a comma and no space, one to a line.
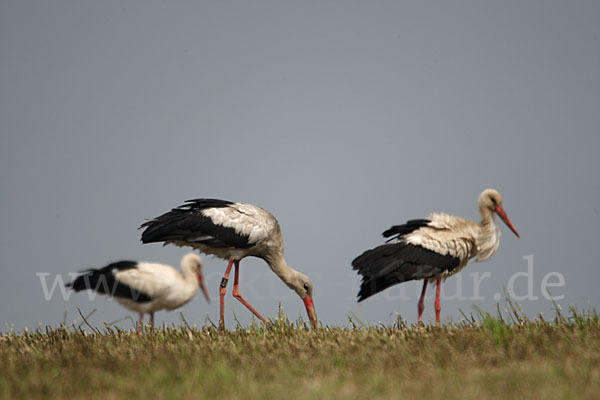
341,118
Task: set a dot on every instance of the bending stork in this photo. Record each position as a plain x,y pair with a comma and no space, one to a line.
431,249
230,231
146,287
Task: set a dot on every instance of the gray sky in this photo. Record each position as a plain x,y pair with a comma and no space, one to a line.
341,118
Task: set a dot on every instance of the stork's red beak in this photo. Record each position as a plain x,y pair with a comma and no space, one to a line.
310,310
502,214
202,286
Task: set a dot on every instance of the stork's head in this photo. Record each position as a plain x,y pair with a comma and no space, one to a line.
193,262
303,286
491,200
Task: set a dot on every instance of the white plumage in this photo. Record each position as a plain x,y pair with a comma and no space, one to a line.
446,235
246,219
168,288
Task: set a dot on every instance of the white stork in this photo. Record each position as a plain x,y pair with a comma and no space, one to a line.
431,249
146,287
230,231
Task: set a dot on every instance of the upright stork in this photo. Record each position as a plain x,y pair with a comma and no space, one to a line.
231,231
431,249
146,287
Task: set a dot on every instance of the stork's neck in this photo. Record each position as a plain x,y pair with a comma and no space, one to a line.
487,218
489,236
189,276
281,268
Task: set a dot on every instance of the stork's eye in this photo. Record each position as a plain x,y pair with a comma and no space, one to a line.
306,287
494,201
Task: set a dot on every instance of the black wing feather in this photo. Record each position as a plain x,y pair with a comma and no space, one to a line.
103,281
393,263
407,228
187,223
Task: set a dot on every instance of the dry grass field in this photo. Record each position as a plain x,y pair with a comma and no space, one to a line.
478,358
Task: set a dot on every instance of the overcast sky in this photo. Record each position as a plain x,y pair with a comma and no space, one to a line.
341,118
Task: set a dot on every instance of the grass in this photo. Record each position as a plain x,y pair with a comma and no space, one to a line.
481,357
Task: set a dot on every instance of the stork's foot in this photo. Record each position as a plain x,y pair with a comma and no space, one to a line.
222,292
421,305
438,307
238,296
140,323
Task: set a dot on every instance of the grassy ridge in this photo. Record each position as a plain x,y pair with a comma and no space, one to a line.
482,357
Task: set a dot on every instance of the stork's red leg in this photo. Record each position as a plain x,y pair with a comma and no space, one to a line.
152,319
222,291
238,295
140,323
421,306
438,307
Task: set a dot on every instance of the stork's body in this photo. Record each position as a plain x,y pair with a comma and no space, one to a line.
146,287
431,249
231,231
